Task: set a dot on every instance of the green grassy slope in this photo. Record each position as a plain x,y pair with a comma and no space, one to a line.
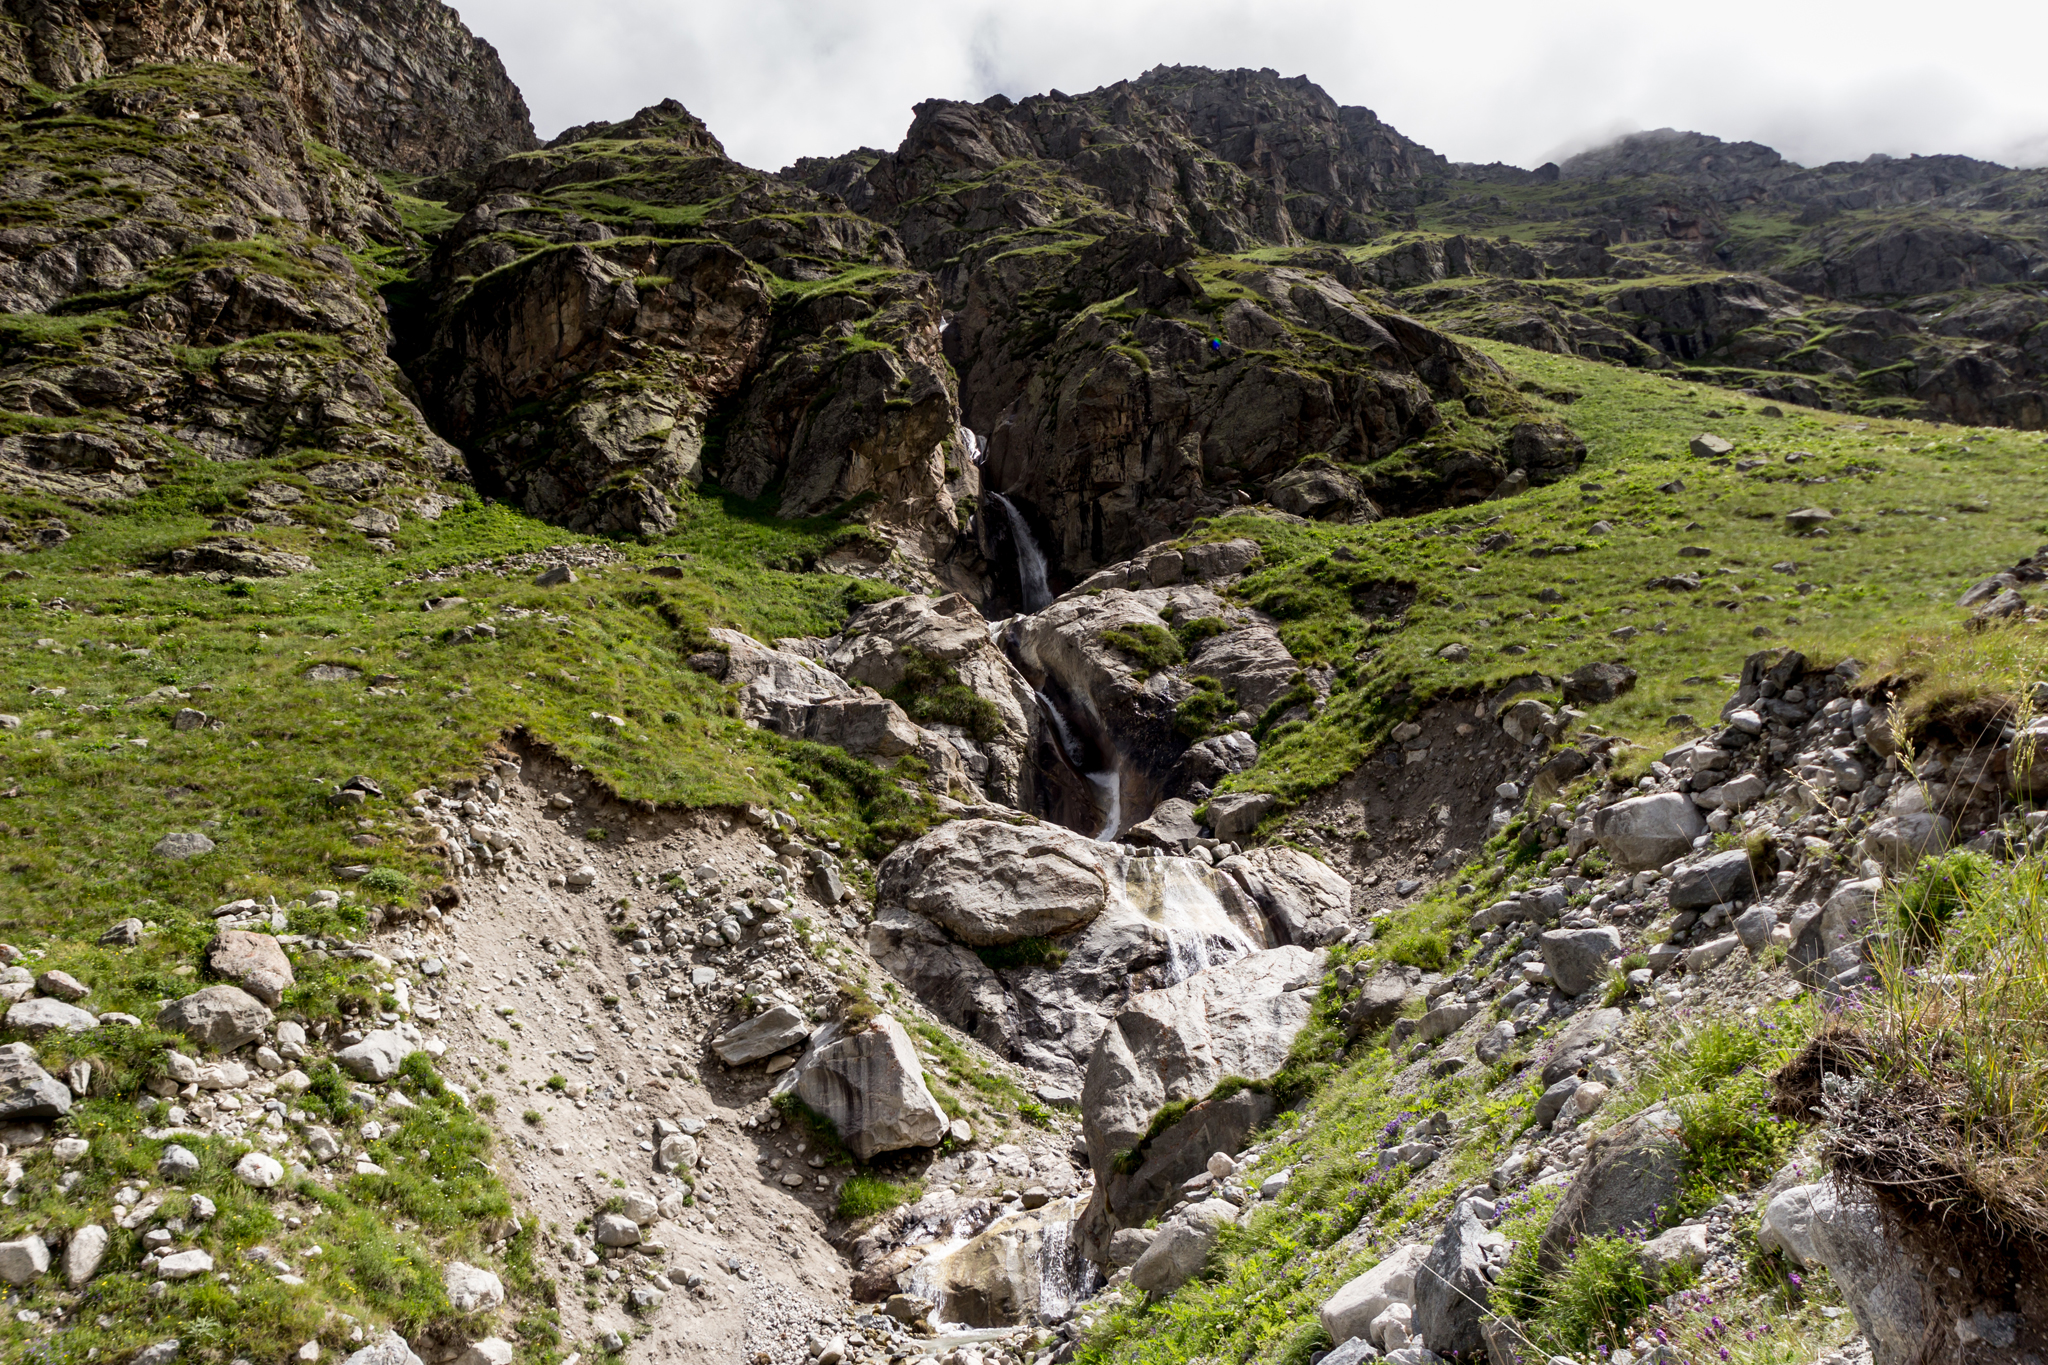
1921,511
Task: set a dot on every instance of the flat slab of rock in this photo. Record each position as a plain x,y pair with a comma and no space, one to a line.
182,845
220,1017
867,1081
39,1015
256,962
776,1029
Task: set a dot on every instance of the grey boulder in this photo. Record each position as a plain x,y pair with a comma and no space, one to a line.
1452,1288
1879,1283
1349,1312
1713,881
377,1058
1183,1243
989,883
1631,1174
867,1081
389,1349
220,1017
1236,814
26,1090
256,961
182,845
1304,901
1648,831
774,1030
40,1015
1578,958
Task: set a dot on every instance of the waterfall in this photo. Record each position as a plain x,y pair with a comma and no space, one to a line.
1110,785
976,451
1069,748
1031,579
1065,1277
1179,896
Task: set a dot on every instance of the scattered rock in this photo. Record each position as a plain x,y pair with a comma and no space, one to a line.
182,845
26,1090
1349,1312
472,1289
1182,1246
1648,831
24,1260
220,1017
1578,958
40,1015
84,1252
1453,1288
377,1058
1632,1173
256,961
258,1171
774,1030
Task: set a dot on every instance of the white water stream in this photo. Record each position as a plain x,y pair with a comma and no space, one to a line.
1032,583
1177,894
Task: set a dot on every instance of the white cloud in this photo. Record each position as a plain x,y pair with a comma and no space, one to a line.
1481,81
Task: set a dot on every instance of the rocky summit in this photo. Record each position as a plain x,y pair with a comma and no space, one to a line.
1156,728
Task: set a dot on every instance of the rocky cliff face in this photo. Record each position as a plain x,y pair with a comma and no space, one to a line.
399,84
612,305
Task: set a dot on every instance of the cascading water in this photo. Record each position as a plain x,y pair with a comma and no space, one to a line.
976,450
1176,894
1032,583
1109,785
1065,1277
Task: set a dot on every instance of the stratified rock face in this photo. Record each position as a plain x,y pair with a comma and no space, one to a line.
400,85
408,88
584,337
236,324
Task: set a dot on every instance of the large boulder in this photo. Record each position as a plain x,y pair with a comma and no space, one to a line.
1724,877
256,962
1787,1224
1304,901
1349,1312
1880,1284
472,1289
220,1017
1220,1124
1380,1000
389,1349
1238,1019
989,883
1648,831
775,1029
1900,841
26,1090
1453,1289
24,1260
1177,1254
1577,958
867,1081
1161,918
1631,1177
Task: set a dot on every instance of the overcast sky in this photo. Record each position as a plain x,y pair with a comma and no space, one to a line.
1481,80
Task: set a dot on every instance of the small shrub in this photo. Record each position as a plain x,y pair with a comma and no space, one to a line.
1150,647
558,1082
1204,710
532,1117
864,1196
387,884
1598,1294
1937,891
1196,629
